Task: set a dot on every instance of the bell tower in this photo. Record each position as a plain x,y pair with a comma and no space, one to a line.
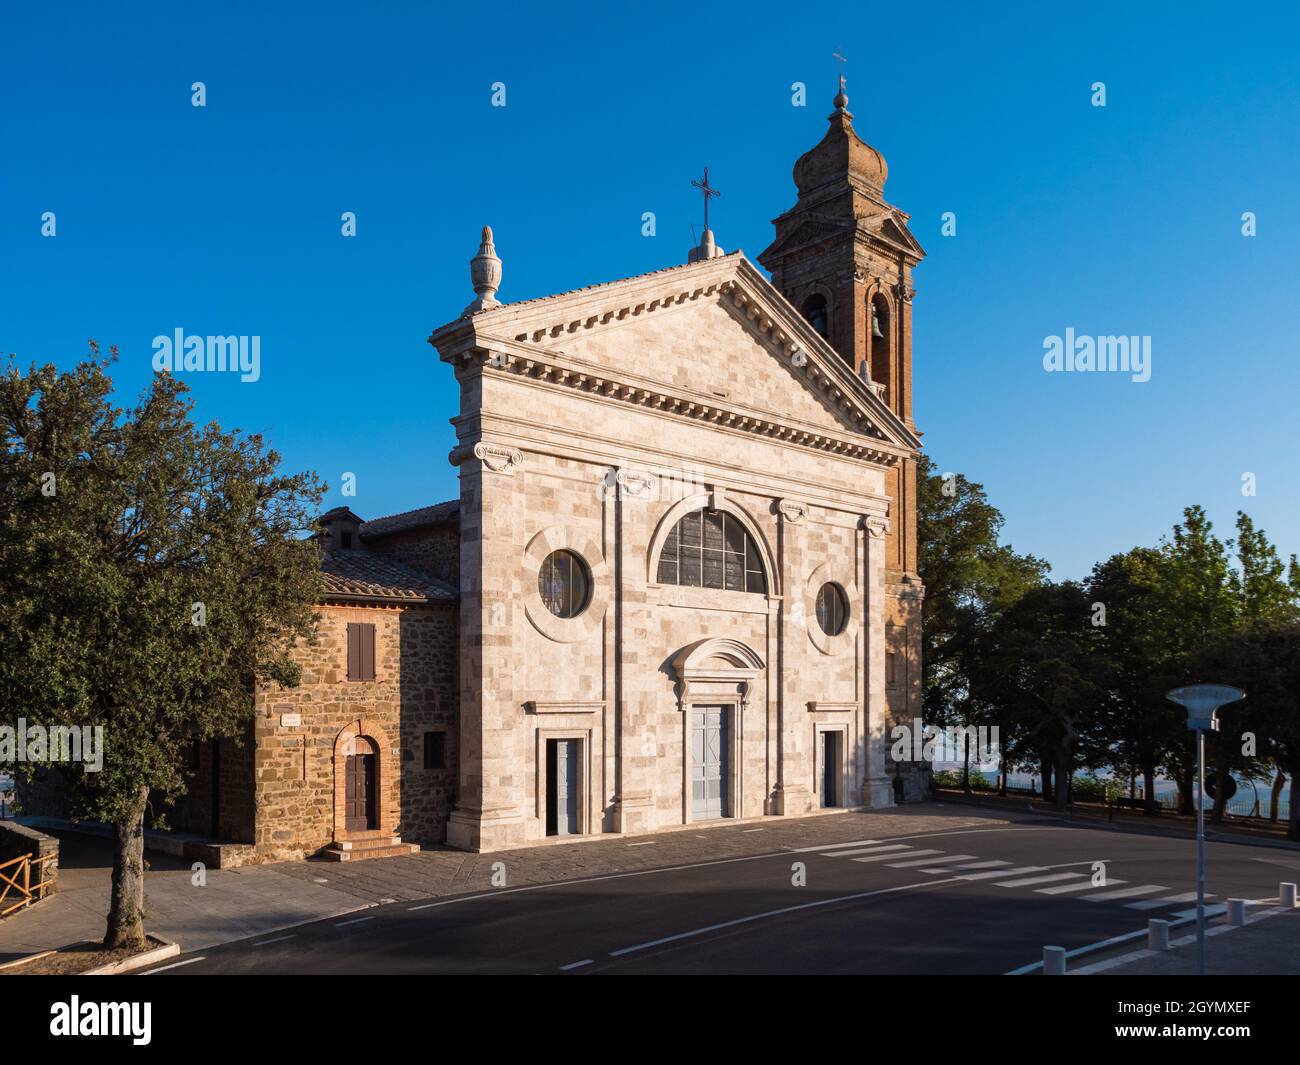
843,256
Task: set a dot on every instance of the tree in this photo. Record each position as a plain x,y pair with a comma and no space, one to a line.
1263,660
1197,607
1127,605
1040,668
969,578
152,572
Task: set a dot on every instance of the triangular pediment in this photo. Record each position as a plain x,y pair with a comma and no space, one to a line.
812,230
711,339
892,228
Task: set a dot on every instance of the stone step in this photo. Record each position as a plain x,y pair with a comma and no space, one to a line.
357,840
380,848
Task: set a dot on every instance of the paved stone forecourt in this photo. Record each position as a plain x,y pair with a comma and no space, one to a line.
238,903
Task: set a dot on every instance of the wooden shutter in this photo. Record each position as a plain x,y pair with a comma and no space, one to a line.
361,651
354,651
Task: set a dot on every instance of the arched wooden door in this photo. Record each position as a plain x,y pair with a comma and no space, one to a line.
360,777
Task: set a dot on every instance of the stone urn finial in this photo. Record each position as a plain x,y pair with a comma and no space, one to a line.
485,275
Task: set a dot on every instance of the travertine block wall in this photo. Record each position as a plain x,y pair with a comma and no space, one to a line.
543,468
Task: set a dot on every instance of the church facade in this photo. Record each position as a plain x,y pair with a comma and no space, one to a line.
678,585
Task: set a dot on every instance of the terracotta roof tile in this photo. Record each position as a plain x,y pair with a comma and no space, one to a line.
411,519
363,575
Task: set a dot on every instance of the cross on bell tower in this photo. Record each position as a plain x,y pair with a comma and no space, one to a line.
841,59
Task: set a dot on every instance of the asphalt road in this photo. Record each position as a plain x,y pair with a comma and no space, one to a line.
964,901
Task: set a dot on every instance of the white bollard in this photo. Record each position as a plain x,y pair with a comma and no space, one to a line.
1053,961
1286,892
1237,911
1157,934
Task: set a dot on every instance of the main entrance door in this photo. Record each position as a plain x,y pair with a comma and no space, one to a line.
359,787
562,787
710,763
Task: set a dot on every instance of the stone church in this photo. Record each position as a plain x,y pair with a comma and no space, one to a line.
679,584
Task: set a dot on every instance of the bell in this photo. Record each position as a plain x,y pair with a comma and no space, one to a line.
875,325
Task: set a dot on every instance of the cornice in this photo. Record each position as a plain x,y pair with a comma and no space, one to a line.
511,359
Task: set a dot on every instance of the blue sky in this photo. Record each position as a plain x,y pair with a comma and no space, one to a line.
1117,220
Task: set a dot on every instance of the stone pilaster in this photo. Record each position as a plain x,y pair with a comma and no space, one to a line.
488,815
633,805
792,796
877,788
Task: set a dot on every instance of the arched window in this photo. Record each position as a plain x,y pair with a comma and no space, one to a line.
880,334
711,549
814,309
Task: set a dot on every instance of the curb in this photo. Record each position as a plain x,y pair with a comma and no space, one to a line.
30,957
138,961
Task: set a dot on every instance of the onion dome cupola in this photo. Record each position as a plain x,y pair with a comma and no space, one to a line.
841,152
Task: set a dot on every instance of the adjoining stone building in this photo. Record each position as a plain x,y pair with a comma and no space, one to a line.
679,584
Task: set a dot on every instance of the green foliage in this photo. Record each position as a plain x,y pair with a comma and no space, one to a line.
149,516
952,778
969,578
1075,675
1095,789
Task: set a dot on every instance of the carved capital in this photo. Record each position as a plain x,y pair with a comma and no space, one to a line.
635,483
875,525
792,511
498,458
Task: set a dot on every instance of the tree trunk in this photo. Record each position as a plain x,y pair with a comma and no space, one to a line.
1220,782
1063,774
1149,786
1045,764
965,765
126,906
1186,793
1293,823
1279,782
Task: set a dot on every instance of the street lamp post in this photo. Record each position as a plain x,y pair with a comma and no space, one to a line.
1202,702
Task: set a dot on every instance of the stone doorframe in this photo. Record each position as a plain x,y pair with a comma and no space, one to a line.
542,781
843,770
716,672
343,746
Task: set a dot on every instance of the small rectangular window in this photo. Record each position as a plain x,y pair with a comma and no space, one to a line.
361,651
435,750
891,669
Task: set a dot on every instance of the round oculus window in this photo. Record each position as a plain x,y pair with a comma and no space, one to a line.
564,584
832,609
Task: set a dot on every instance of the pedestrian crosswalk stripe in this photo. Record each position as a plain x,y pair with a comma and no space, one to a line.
1125,893
834,846
918,861
1004,872
928,861
1037,880
895,849
1210,911
1061,888
1168,900
982,865
888,857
